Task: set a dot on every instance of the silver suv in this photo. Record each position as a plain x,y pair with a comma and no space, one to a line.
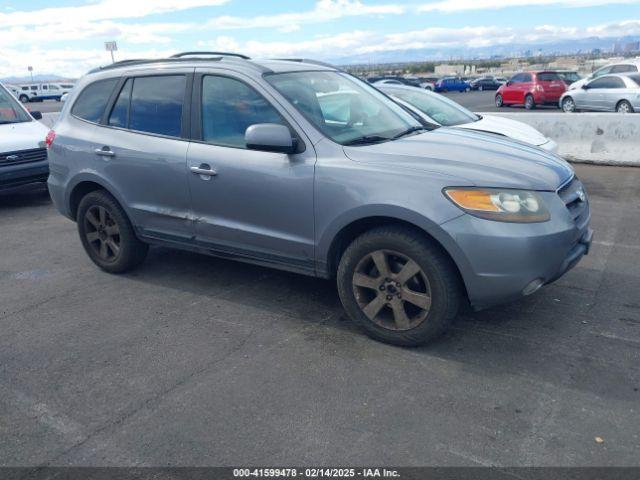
297,165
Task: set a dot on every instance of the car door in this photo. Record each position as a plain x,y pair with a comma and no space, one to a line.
594,94
523,88
509,92
249,204
612,94
142,148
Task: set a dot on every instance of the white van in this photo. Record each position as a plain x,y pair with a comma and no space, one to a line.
37,92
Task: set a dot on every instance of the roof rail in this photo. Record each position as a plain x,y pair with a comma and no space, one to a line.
224,54
308,60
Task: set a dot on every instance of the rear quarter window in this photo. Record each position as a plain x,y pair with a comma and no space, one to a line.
92,101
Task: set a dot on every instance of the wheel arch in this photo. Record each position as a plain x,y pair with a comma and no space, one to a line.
333,248
85,184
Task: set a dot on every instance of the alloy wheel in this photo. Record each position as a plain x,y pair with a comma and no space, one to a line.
102,233
568,105
624,107
392,290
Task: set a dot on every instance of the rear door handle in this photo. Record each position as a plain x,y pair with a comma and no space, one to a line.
204,171
104,152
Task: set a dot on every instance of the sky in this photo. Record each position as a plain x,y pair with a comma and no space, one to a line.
66,37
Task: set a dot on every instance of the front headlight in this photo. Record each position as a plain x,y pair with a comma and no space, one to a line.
502,205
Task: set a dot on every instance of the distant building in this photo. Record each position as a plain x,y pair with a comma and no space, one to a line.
631,47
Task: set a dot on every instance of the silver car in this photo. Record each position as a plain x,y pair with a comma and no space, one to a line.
609,93
263,162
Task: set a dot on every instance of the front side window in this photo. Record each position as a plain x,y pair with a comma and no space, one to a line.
437,107
606,82
93,100
343,108
156,104
601,72
34,88
10,111
229,107
517,78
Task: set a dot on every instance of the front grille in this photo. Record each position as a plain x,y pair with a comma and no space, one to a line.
574,197
22,156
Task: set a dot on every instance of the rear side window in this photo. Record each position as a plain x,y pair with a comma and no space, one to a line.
229,107
120,113
548,77
156,104
93,100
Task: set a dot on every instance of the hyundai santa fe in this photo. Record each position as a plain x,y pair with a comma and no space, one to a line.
261,161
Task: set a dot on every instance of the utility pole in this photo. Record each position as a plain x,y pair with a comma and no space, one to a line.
30,68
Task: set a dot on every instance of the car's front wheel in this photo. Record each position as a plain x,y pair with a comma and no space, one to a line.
107,234
499,101
568,105
398,286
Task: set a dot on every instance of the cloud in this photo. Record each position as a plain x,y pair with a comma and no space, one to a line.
452,6
101,10
324,11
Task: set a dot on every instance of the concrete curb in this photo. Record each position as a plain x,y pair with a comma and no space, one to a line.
597,138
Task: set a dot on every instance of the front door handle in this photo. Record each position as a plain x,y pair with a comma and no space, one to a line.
104,152
209,172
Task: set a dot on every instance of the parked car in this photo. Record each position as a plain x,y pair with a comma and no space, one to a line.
23,156
388,81
485,83
431,86
401,80
569,76
437,109
452,84
531,89
608,93
625,67
37,92
501,80
409,220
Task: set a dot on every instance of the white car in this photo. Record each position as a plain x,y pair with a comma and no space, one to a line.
23,156
440,110
626,67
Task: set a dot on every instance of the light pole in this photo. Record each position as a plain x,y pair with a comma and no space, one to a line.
30,68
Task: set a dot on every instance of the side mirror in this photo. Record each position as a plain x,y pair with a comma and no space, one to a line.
585,87
508,83
270,137
36,115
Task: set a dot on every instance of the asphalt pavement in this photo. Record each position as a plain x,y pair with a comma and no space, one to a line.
193,360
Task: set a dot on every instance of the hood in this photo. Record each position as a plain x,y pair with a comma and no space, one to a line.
22,136
509,128
476,158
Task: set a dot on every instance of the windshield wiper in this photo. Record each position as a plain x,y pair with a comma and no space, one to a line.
409,131
367,139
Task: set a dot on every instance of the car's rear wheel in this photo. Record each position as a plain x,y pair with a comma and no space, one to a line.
568,105
107,234
398,286
529,102
499,101
624,107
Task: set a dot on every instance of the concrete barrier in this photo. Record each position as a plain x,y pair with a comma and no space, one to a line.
603,138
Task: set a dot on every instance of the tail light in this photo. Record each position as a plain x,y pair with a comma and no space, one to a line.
48,140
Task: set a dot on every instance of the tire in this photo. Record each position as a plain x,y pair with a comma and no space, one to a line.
392,317
481,88
107,234
568,105
23,99
529,102
499,101
624,106
468,89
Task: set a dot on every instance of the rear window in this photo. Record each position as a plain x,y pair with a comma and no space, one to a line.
93,100
156,104
548,77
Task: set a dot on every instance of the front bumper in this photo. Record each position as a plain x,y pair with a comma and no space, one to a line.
16,175
501,262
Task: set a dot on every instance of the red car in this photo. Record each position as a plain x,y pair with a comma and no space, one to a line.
531,89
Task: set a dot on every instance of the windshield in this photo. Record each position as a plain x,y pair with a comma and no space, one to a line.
343,108
440,109
10,109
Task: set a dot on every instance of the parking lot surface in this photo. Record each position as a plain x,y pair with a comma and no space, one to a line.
193,360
